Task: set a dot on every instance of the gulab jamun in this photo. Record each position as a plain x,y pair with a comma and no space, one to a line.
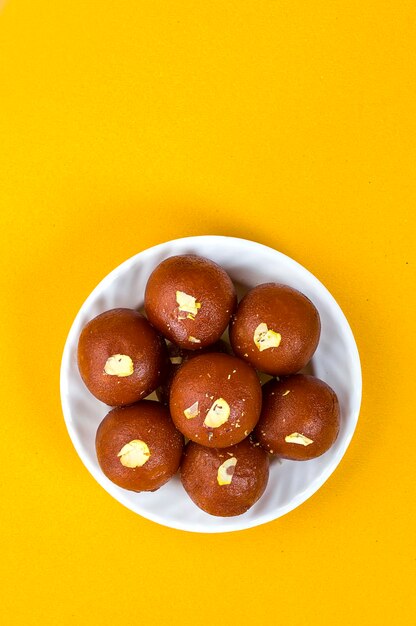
138,447
215,399
190,300
225,481
121,358
276,329
300,417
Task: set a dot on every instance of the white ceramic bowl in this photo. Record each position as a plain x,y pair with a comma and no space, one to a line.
336,361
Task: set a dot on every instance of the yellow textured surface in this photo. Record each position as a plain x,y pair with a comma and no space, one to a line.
124,124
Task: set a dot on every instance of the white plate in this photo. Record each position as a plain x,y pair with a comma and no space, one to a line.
336,361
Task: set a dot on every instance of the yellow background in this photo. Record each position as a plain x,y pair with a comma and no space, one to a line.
125,124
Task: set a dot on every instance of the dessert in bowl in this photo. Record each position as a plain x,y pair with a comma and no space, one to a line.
335,361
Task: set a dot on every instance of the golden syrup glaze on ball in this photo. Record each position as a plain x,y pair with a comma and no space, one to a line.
276,329
215,399
138,447
225,481
121,358
300,417
190,300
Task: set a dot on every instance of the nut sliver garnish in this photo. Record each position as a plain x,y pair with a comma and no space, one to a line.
265,338
226,471
218,414
193,339
187,304
134,454
119,365
192,411
298,438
